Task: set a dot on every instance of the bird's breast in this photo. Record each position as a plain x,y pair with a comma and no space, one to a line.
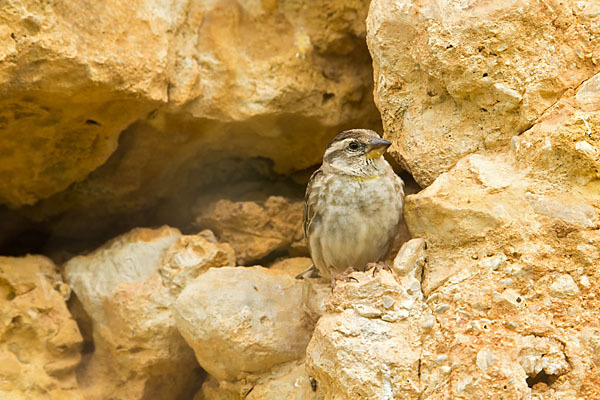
359,219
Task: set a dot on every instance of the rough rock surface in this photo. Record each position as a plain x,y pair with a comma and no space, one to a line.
256,229
511,263
368,344
249,327
287,381
193,83
242,321
128,288
40,344
493,106
455,77
67,94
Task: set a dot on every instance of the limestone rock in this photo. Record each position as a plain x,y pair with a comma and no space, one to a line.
243,321
128,288
499,283
491,69
368,344
255,230
191,256
293,385
188,84
289,381
293,265
67,95
132,257
40,345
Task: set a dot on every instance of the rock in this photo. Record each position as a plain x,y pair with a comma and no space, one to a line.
294,385
128,287
253,229
562,142
61,81
244,321
410,258
564,286
132,257
190,256
449,219
292,266
147,111
40,345
289,381
489,73
587,96
359,350
509,234
485,359
539,354
574,213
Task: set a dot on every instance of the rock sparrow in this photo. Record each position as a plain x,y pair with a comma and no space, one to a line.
353,204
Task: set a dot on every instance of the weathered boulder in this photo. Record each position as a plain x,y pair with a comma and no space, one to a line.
243,321
369,342
40,344
454,78
510,272
494,107
179,87
72,77
287,381
128,287
256,229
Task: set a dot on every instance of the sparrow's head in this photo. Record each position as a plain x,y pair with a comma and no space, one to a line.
356,151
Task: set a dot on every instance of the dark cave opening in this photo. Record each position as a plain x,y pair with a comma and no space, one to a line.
541,377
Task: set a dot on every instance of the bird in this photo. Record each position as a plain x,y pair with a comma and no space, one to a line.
352,206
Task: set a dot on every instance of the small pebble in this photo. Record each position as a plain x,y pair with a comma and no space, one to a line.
407,304
439,360
563,286
511,325
394,316
431,298
367,311
414,287
494,262
442,308
484,360
388,302
428,323
573,311
585,281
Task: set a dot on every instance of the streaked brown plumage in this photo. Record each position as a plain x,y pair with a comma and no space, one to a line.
353,204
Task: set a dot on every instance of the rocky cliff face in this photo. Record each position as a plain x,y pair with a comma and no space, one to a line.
113,113
208,116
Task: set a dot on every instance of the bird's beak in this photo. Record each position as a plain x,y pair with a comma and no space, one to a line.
377,147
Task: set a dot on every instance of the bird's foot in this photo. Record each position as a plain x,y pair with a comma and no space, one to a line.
378,266
344,276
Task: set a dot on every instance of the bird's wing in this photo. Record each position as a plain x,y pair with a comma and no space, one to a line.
310,200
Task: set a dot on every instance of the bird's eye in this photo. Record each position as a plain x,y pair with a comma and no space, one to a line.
353,146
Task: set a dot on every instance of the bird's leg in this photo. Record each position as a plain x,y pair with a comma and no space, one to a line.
344,276
378,266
